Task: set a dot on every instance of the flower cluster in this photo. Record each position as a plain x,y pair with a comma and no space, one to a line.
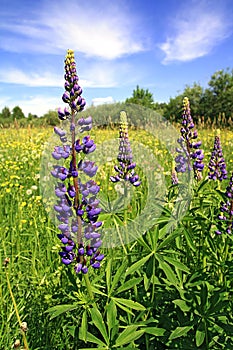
190,156
217,165
125,169
77,205
226,216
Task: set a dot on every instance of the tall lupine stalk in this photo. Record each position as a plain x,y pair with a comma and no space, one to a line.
190,155
77,206
226,216
217,165
125,169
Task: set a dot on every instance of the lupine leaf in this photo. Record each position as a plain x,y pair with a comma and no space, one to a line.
182,305
117,277
60,309
204,294
93,339
108,274
167,270
179,332
130,303
97,291
176,263
159,332
98,321
166,228
111,315
189,240
128,335
200,337
83,327
138,264
129,284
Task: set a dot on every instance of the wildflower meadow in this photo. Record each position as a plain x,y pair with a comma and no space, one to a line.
116,235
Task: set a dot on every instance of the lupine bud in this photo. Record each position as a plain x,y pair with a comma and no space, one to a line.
188,149
125,169
217,165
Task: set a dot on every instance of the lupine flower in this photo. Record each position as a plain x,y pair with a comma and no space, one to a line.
77,206
125,169
226,209
217,165
190,156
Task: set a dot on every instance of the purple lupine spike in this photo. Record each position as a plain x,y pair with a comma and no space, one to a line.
77,206
217,165
226,209
125,169
190,156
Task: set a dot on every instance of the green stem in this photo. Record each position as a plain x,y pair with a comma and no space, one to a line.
88,285
16,312
119,234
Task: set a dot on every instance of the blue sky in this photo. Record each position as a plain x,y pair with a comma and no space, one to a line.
159,45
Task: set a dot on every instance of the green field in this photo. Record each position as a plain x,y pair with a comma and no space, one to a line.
171,288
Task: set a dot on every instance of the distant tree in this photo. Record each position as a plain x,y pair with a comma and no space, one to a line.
32,116
17,113
142,97
173,110
51,118
6,113
218,97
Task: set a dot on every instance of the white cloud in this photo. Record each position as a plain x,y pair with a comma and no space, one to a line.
17,76
95,75
104,30
38,105
197,30
102,100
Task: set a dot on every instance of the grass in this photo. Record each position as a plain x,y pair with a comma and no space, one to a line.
169,289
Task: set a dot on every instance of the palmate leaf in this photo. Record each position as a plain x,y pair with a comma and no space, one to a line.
199,337
117,277
138,264
129,303
182,305
83,328
158,332
189,240
129,284
60,309
179,332
167,270
111,315
93,339
172,236
98,321
108,274
176,263
128,335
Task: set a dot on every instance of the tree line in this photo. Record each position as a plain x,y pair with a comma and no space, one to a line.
213,104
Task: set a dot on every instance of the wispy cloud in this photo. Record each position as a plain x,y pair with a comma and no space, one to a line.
18,76
101,100
196,30
94,75
105,30
38,105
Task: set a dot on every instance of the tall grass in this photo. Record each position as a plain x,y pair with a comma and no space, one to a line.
171,288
